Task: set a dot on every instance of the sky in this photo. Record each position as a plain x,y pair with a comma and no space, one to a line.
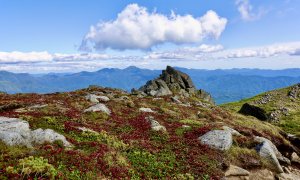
76,35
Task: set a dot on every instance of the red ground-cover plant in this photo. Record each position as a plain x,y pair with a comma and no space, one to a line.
196,133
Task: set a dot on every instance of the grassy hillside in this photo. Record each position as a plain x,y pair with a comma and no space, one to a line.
273,101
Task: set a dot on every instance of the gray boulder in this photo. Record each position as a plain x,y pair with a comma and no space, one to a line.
235,172
266,150
217,139
148,110
95,99
294,93
40,136
232,131
98,107
16,132
279,156
155,124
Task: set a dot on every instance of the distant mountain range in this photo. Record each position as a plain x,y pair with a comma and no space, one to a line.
224,85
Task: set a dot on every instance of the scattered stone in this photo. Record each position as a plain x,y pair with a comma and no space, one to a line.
217,139
287,176
148,110
205,96
176,99
186,126
262,174
130,104
202,104
264,100
123,98
98,107
276,115
16,132
294,93
40,136
251,110
235,172
38,106
295,158
232,131
156,99
84,129
155,124
92,98
294,140
103,98
185,105
266,150
279,156
95,99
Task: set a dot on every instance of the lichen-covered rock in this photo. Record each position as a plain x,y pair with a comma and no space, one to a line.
16,132
40,136
155,124
295,158
205,96
266,150
148,110
232,131
261,174
234,172
98,107
279,156
95,99
217,139
287,176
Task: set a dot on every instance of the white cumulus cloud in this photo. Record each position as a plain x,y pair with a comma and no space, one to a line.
136,28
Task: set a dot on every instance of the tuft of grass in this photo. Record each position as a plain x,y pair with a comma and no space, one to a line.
191,122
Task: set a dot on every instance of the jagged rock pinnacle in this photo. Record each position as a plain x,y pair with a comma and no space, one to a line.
172,81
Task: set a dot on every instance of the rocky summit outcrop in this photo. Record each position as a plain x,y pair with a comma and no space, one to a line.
172,81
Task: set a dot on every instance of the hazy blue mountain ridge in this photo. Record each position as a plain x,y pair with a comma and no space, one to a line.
224,85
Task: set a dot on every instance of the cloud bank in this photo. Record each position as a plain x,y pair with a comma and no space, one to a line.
136,28
209,52
205,54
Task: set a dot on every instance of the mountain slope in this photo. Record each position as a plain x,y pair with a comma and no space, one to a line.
280,107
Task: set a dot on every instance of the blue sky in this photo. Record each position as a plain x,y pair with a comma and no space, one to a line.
67,36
